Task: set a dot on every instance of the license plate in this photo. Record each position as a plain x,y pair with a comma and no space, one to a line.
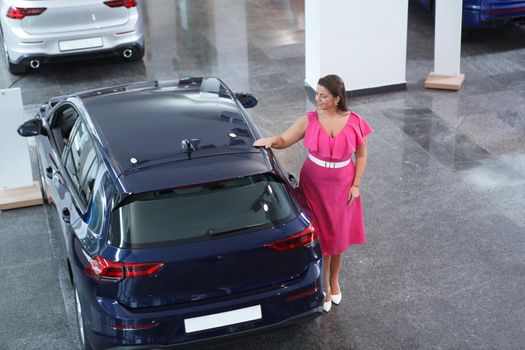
223,319
88,43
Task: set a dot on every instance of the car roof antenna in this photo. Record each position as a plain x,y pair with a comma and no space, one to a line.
189,146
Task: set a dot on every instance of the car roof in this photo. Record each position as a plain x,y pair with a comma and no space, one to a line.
141,128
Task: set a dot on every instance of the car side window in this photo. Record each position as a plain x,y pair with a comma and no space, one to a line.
81,162
62,125
72,171
88,180
98,206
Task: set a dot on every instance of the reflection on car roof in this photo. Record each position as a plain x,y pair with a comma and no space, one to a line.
143,125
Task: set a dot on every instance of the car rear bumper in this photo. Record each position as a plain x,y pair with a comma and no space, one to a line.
493,14
277,310
22,45
138,49
292,321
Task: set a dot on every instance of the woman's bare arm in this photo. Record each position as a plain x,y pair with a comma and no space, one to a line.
292,135
360,166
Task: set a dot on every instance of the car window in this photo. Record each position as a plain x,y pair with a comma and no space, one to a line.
62,125
71,170
201,212
97,206
88,178
81,162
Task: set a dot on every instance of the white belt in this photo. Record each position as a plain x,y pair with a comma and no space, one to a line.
329,164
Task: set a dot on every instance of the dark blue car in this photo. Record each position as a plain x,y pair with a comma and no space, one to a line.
487,13
175,229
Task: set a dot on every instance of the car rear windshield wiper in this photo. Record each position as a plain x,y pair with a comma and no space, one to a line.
204,152
217,232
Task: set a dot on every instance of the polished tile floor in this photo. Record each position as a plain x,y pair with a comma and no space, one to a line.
444,190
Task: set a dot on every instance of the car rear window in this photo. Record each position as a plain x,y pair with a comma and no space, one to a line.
201,212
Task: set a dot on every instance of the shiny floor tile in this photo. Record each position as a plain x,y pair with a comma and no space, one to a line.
443,193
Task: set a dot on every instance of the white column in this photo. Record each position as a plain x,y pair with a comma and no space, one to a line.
364,42
15,165
447,46
231,40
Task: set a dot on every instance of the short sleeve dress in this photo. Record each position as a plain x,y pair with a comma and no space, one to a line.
337,223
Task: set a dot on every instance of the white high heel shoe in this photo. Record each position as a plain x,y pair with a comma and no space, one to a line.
336,298
327,305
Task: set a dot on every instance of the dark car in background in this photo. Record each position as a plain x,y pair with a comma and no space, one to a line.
487,13
175,229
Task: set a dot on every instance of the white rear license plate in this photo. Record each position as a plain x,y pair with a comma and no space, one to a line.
88,43
227,318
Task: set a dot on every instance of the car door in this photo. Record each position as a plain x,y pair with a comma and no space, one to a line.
58,125
81,166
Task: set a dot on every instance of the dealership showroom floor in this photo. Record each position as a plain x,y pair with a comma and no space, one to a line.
444,265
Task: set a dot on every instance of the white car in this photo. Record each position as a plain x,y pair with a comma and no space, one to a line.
41,31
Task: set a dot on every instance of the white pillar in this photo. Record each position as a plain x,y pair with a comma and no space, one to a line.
15,165
17,188
447,46
364,42
231,41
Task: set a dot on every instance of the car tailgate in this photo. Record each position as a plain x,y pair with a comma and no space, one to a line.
217,268
74,16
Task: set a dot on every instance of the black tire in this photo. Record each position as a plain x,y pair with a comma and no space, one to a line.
16,69
466,33
139,55
43,192
433,11
84,344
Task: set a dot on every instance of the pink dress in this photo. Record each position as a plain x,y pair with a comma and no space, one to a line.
337,223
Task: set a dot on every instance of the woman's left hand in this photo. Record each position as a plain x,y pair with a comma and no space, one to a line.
353,194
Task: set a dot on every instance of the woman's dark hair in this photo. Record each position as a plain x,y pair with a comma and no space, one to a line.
336,86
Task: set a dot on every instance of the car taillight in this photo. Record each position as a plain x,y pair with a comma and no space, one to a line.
20,12
121,3
135,327
298,240
302,294
107,270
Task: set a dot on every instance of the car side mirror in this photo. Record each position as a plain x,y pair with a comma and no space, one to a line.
32,127
247,100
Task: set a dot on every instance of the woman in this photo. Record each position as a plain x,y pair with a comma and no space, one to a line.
329,179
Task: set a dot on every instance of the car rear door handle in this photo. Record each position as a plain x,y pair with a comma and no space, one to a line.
293,180
49,172
66,215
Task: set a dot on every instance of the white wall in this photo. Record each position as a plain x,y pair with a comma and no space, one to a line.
364,42
231,41
447,43
312,42
15,165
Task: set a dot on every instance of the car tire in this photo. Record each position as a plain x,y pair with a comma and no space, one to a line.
15,69
139,55
466,33
42,181
84,344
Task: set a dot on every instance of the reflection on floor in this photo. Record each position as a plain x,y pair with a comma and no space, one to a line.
443,194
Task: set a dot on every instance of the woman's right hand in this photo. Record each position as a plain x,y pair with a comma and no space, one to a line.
265,142
287,138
